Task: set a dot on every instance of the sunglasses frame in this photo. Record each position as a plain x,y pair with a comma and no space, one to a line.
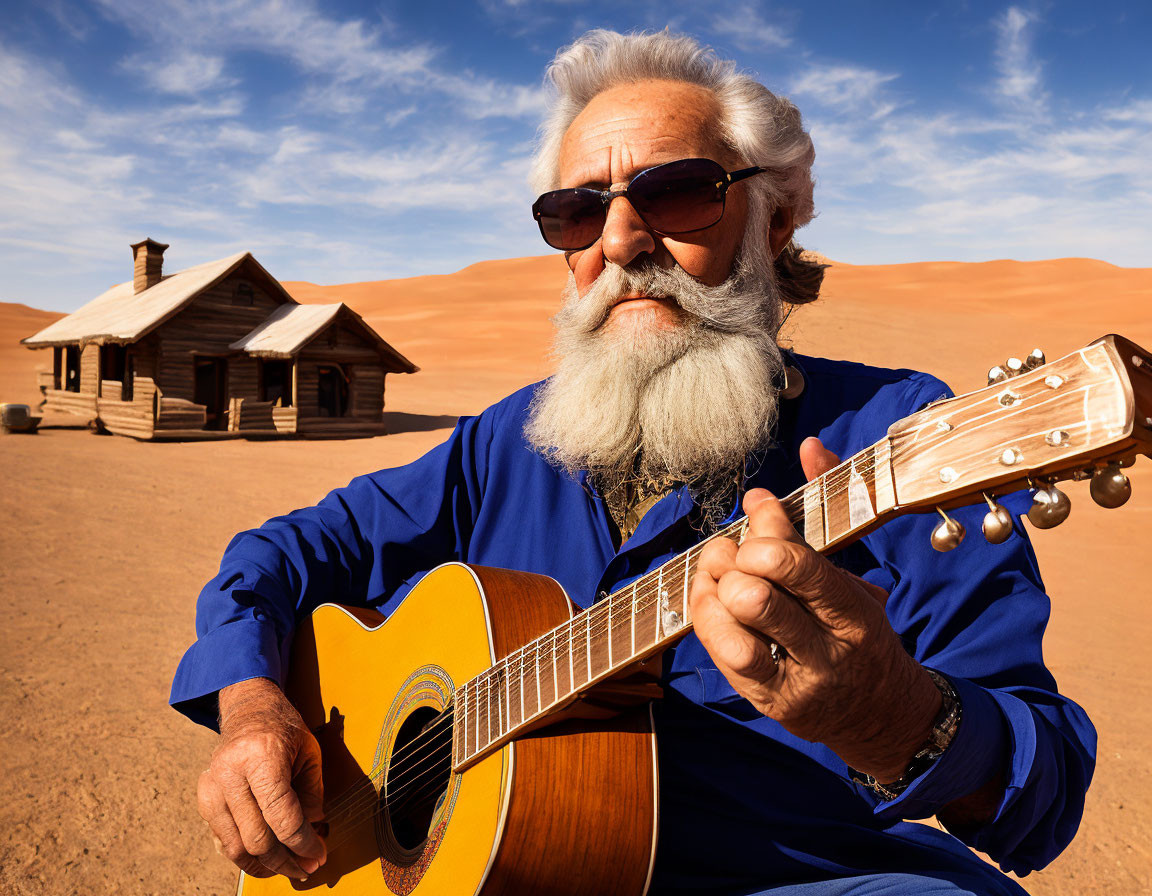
606,197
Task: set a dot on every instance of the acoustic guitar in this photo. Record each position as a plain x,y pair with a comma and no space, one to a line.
508,748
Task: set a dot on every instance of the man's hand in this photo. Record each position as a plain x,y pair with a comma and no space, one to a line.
262,790
845,679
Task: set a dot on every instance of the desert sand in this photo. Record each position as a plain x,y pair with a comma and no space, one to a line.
107,541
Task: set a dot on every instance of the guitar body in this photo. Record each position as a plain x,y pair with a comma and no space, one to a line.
568,808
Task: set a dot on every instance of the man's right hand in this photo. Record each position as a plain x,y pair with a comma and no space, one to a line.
262,791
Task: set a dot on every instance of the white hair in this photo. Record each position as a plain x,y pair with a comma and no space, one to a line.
759,127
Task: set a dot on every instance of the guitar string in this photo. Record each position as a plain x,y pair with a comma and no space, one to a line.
491,683
514,666
400,795
597,622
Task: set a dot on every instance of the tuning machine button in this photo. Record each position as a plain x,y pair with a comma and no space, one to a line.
1014,366
1035,359
997,374
948,534
1110,487
997,525
1050,507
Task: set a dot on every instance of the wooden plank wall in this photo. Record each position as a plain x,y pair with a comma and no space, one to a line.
356,354
207,327
71,403
90,370
126,418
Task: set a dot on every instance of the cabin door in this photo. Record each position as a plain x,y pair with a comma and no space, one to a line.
212,391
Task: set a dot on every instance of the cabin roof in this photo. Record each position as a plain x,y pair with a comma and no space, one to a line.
123,315
291,327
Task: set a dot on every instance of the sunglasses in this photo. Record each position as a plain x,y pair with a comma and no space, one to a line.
678,197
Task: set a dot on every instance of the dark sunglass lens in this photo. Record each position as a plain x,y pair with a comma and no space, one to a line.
680,196
570,219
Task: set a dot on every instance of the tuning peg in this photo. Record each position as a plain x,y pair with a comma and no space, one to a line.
1035,359
948,534
1110,487
997,374
997,524
1014,366
1050,507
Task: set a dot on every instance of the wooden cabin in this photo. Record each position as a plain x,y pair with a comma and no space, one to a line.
219,350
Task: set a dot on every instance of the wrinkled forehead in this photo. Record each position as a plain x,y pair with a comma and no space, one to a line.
629,128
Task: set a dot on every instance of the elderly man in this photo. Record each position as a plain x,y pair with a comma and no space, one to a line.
820,702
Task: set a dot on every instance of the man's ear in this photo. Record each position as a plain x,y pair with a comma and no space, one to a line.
780,231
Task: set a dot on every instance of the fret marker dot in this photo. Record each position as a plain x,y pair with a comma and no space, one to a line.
948,475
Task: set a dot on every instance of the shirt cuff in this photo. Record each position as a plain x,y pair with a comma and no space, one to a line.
233,652
979,751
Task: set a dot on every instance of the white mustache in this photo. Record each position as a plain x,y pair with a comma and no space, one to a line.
727,308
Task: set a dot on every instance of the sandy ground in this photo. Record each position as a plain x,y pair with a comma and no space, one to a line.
106,542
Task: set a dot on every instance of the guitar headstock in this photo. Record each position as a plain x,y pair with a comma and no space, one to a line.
1084,416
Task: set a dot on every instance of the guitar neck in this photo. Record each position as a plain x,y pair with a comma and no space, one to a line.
1072,418
648,615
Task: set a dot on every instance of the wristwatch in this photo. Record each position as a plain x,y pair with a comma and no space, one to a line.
944,729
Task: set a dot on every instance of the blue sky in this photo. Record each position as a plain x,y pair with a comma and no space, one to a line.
348,141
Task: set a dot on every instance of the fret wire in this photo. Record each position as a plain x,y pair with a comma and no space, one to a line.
505,707
571,652
588,641
687,559
609,602
539,696
642,597
520,679
635,613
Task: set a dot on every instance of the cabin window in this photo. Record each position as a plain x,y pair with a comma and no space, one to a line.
332,391
244,294
112,362
276,382
129,377
72,368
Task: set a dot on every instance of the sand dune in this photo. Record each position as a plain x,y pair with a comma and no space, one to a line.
108,541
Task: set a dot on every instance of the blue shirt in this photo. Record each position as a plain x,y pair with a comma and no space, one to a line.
743,803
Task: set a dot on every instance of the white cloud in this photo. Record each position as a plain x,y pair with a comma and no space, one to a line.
1020,73
185,73
348,60
746,26
851,88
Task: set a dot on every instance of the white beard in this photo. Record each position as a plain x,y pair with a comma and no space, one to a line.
686,404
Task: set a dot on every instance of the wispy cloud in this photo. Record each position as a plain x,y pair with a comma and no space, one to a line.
349,60
1020,73
748,28
185,73
850,88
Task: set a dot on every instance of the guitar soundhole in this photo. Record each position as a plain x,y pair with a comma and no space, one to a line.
416,782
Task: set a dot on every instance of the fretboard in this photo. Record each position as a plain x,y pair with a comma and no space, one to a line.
643,618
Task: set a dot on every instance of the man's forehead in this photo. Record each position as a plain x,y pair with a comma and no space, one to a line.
628,128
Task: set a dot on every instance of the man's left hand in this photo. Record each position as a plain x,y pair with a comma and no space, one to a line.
843,678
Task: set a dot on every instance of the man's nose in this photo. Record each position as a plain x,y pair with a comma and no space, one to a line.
626,236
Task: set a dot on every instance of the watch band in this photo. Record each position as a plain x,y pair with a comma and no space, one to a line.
944,728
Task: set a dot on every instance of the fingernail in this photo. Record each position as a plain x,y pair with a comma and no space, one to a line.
309,865
218,844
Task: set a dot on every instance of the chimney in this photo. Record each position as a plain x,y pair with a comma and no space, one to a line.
149,256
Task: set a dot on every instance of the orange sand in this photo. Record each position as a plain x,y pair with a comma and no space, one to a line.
107,541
